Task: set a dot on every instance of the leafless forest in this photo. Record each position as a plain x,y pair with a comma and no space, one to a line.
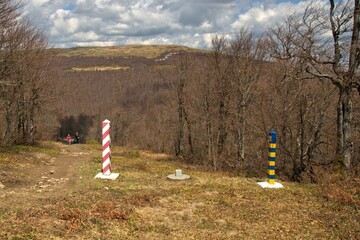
212,108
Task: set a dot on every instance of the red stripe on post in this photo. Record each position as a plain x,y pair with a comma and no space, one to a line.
105,169
106,145
106,165
105,134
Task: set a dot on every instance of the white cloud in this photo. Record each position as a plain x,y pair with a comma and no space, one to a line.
39,2
86,36
207,39
95,43
63,22
261,17
187,22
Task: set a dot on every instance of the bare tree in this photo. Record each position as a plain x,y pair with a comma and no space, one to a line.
183,72
246,55
183,66
22,61
219,61
303,40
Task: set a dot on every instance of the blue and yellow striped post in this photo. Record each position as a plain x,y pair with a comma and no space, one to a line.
272,157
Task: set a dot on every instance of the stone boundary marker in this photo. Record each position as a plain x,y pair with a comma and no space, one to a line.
178,175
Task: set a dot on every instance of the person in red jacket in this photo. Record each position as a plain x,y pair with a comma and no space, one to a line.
68,138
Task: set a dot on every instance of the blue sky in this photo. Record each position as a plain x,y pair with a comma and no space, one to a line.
192,23
70,7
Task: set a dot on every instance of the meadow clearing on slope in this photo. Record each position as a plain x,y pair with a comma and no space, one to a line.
50,192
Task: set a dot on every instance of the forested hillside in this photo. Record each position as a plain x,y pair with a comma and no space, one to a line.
175,101
127,87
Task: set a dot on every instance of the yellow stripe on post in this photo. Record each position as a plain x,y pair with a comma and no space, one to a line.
271,157
271,163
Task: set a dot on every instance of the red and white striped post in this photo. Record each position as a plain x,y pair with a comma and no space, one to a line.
106,153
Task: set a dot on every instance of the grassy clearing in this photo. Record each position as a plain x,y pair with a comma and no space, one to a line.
17,161
156,68
99,68
41,147
143,204
146,51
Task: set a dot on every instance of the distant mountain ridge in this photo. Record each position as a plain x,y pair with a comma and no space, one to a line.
146,51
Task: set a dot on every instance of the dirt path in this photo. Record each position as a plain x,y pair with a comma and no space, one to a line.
56,174
62,169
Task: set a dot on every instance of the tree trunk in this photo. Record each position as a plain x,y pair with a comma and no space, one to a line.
344,111
340,124
7,138
190,141
209,131
348,145
241,134
179,148
221,129
211,157
298,160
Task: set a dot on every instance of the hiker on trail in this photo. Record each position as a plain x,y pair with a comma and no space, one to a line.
68,138
77,137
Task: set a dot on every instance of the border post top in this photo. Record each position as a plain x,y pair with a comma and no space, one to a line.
272,136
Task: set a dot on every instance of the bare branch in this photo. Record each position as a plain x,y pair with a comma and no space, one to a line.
355,48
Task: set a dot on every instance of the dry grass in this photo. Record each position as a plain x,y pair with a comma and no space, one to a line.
143,204
16,162
157,68
146,51
99,68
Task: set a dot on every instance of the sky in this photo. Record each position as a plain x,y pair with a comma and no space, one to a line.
192,23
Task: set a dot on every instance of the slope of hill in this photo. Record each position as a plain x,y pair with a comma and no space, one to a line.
146,51
50,193
209,108
124,84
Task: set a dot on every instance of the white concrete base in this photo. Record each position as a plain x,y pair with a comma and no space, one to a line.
112,176
181,177
178,175
268,185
